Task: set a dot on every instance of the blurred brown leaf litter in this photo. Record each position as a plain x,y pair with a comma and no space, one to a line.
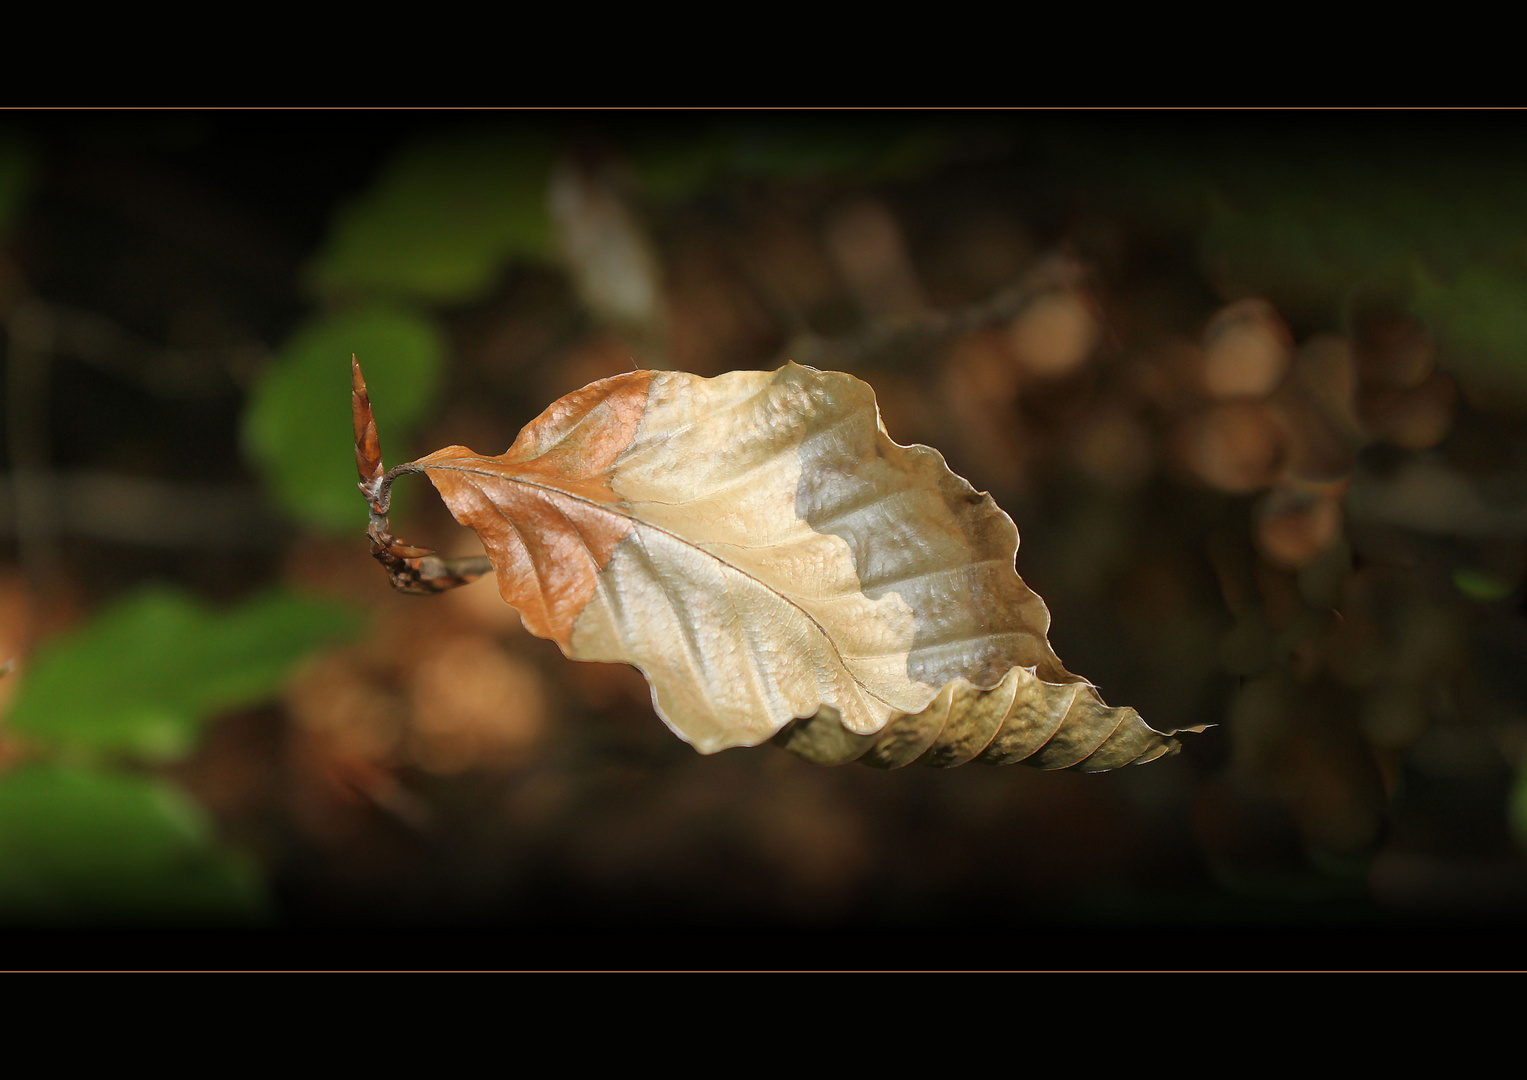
1249,386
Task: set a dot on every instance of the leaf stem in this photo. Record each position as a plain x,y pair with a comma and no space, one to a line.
414,570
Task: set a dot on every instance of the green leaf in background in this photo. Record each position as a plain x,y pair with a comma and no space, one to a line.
297,426
1480,319
1517,811
676,166
443,218
1481,585
149,670
1310,255
15,175
79,846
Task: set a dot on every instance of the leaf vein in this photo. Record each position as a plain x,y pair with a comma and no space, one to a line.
640,526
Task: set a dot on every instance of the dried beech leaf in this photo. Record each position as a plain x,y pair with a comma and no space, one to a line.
775,565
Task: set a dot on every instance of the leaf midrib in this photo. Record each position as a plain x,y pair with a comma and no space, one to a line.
613,510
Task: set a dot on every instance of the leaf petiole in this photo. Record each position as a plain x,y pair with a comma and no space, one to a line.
411,569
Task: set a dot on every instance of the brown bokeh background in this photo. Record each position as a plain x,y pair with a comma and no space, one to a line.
1262,482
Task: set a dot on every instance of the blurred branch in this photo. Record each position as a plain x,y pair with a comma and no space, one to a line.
886,341
106,345
137,510
37,505
1426,496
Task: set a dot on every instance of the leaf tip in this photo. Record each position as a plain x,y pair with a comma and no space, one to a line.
360,399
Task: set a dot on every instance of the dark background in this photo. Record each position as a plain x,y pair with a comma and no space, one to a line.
1260,423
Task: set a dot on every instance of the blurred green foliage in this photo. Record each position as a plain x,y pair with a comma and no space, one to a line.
449,212
1518,808
442,219
147,672
81,841
1481,315
297,425
84,846
1481,585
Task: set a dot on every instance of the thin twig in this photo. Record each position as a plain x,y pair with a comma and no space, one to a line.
411,569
